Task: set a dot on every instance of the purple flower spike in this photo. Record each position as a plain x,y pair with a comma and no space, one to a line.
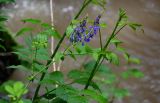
82,34
96,22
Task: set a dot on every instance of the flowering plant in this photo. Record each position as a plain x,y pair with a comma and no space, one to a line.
96,82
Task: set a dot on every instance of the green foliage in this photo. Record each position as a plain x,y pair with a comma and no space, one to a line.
120,92
3,18
132,73
54,78
16,91
24,30
1,46
94,75
3,101
101,3
30,20
7,1
94,95
70,30
20,67
77,74
135,26
90,65
112,57
103,25
70,94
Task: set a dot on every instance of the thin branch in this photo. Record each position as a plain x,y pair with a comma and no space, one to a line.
52,39
100,39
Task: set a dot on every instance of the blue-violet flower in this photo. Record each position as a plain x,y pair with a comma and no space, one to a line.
82,34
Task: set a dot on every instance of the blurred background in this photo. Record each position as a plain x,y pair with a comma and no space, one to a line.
144,46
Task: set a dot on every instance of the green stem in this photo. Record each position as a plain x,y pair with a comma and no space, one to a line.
55,51
101,55
100,39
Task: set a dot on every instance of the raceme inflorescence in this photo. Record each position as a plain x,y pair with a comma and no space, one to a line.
83,34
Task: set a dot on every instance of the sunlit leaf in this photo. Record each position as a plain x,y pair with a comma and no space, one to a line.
134,60
116,42
103,25
24,30
70,29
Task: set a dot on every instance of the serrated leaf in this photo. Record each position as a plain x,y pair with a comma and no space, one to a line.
58,100
84,80
20,67
132,73
76,74
126,56
50,96
120,92
95,55
7,1
9,89
88,49
58,76
72,55
69,94
54,78
59,56
103,25
122,12
52,32
46,25
24,30
26,101
94,95
116,42
109,78
19,89
75,22
134,26
42,57
70,29
3,18
1,46
134,60
100,3
31,20
121,49
39,67
112,57
90,65
3,101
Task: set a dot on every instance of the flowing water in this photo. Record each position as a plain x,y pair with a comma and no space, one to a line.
144,46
